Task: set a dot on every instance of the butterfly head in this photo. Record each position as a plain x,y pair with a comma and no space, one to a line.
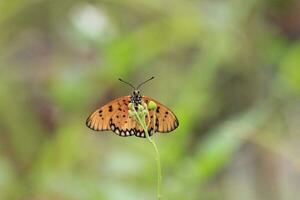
136,92
136,97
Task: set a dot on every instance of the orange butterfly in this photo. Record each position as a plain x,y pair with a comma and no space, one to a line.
114,116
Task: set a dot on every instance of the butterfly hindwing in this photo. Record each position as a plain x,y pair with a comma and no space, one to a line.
122,124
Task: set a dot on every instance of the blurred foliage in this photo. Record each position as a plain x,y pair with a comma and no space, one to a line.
229,70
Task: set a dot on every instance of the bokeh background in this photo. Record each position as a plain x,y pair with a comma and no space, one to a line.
230,70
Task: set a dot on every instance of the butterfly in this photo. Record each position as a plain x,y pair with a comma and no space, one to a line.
114,116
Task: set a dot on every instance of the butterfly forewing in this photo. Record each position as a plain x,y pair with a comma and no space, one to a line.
100,119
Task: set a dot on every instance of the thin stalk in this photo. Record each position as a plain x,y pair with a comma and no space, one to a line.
142,122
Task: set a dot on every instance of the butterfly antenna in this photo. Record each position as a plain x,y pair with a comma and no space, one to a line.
127,83
144,82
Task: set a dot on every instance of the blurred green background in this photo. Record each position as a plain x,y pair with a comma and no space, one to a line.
230,70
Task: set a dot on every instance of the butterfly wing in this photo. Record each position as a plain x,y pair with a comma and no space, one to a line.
100,119
124,125
166,120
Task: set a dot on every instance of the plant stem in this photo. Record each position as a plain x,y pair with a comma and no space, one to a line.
157,155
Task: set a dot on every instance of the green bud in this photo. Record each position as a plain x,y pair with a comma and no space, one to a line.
131,106
152,105
131,113
141,116
140,107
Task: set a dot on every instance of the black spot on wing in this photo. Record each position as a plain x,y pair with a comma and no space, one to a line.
157,110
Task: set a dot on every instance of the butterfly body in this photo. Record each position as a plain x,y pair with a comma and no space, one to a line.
136,98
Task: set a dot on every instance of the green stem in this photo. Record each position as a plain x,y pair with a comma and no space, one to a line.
157,155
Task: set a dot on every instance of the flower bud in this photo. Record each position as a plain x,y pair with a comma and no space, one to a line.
145,112
131,113
140,107
131,106
152,105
